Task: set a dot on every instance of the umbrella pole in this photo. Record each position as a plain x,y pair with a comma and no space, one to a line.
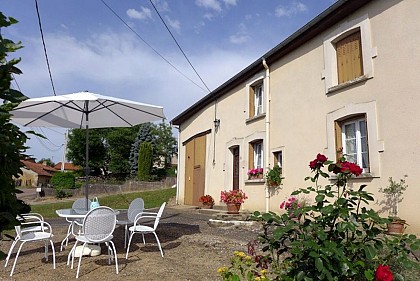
87,170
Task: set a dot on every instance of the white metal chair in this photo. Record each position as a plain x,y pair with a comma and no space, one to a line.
136,207
97,227
38,231
78,204
144,229
30,222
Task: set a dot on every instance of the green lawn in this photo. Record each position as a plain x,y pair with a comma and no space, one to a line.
151,199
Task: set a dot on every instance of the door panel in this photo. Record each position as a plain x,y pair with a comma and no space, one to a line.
195,159
235,165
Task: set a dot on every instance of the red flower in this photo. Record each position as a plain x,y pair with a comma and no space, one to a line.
321,158
313,164
383,273
351,167
318,162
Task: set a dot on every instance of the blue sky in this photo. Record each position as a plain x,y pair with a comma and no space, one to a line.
89,48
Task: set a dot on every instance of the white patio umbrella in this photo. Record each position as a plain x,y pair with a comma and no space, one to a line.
84,110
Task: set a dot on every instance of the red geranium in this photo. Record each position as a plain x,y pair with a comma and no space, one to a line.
383,273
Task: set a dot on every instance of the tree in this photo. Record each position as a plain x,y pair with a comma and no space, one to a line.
146,133
77,149
12,140
118,144
166,145
47,161
145,161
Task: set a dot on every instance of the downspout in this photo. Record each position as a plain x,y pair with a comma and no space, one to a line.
267,130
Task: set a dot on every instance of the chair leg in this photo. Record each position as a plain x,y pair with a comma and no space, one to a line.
46,250
53,252
71,255
144,240
115,255
128,246
125,236
158,242
17,255
10,251
80,260
66,239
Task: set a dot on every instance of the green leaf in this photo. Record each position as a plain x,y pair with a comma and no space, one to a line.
369,274
319,264
319,198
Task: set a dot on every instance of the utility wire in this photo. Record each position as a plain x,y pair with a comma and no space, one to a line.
45,48
182,51
145,42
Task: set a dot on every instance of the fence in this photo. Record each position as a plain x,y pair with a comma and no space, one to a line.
102,188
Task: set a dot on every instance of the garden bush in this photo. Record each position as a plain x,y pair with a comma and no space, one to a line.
338,237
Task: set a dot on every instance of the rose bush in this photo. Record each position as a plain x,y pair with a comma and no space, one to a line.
338,238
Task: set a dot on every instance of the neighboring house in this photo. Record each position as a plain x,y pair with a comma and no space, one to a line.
68,167
347,82
34,174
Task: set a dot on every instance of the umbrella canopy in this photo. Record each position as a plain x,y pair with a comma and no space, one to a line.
84,110
76,110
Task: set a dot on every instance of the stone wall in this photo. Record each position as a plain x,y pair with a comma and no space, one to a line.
102,188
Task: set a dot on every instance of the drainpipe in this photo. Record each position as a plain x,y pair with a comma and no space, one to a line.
267,130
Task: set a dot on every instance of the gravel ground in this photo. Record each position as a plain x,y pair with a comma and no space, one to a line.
193,249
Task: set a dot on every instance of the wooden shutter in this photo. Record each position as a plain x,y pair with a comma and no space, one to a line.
349,58
251,99
251,156
338,140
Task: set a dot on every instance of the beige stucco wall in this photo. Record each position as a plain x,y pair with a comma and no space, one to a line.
302,113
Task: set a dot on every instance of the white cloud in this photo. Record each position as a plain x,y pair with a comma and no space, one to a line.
294,8
175,24
239,38
208,16
230,2
144,14
209,4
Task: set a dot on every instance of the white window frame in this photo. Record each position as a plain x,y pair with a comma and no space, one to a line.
358,137
329,74
258,99
258,155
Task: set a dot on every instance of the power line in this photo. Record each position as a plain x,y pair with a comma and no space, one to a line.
182,51
45,48
145,42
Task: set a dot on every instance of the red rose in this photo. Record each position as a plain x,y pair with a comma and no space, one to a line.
313,164
355,169
321,158
383,273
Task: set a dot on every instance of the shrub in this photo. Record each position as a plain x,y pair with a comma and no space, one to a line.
63,180
339,236
145,161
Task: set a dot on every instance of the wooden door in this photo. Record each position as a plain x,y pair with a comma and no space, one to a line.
195,158
235,165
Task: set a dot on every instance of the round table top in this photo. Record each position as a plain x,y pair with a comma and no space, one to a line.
75,213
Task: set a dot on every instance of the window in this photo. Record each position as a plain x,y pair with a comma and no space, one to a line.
256,100
349,58
255,154
348,54
352,141
278,159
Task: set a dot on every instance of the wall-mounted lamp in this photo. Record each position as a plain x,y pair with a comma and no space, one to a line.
216,123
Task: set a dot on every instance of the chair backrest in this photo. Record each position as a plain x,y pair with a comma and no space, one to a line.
136,207
159,215
81,203
99,224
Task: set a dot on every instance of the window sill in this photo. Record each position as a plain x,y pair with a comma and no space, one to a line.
348,84
255,181
255,118
361,176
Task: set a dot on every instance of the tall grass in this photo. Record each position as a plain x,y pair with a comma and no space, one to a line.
151,199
